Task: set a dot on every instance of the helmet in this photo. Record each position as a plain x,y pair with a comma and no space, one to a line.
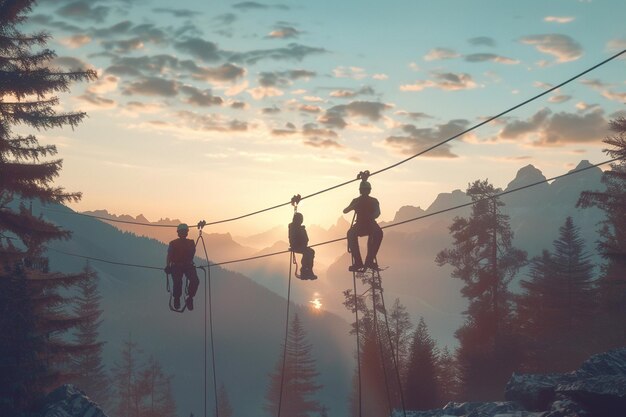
365,185
182,228
298,218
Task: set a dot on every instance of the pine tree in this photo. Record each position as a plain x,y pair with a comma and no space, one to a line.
126,380
484,258
27,87
400,328
421,388
225,409
91,376
612,246
299,384
447,376
557,307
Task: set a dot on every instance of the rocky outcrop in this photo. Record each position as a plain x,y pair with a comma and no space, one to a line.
597,389
69,401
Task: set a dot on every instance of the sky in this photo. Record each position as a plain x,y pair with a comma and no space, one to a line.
212,109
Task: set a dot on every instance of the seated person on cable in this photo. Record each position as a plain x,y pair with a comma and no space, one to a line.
367,210
180,255
299,241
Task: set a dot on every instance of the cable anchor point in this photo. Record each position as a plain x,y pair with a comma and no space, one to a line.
295,200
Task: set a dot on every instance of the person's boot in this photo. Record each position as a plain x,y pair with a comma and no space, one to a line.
189,302
307,273
357,267
371,264
176,303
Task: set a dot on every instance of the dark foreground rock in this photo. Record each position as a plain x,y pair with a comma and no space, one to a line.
69,401
597,389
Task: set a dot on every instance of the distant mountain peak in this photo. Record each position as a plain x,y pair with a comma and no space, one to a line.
525,176
583,164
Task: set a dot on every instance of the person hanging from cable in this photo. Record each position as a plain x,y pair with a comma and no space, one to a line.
180,253
367,210
299,241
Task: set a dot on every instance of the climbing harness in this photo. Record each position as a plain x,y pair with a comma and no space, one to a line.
171,293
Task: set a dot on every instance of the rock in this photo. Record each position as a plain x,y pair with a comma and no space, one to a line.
535,392
601,395
566,407
69,401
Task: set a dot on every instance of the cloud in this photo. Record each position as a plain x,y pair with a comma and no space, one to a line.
284,32
210,122
201,98
355,73
380,76
239,105
152,86
345,93
259,93
69,63
223,73
369,109
441,53
253,5
561,98
491,57
83,10
283,78
547,129
444,81
309,108
605,90
176,12
414,115
311,129
199,48
135,108
270,110
616,45
124,46
562,47
317,142
225,19
416,140
292,51
96,102
482,41
559,19
105,84
75,41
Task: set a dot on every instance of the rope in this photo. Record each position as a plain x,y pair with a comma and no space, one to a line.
344,238
380,343
358,344
207,288
282,374
393,353
443,142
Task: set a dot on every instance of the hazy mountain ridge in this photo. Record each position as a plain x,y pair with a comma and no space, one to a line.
245,314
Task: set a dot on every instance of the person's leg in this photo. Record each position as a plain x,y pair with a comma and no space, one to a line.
177,280
308,254
374,240
353,246
194,282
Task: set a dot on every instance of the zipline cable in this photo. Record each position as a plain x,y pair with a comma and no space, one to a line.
358,344
576,171
282,373
474,127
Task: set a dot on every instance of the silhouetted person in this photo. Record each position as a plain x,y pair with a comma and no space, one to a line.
299,242
367,211
180,255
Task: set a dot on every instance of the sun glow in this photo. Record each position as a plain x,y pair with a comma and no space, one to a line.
316,303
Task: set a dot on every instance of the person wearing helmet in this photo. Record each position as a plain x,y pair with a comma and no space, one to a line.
299,242
367,210
180,253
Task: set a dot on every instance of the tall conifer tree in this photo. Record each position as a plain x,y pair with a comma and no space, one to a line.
484,258
27,88
612,246
299,381
421,388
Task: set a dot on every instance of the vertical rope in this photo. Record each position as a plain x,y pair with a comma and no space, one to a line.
393,355
207,300
379,342
282,374
358,344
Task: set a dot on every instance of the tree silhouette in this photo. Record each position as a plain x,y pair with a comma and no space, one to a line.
421,388
484,258
557,307
612,246
447,376
299,384
90,374
27,88
225,409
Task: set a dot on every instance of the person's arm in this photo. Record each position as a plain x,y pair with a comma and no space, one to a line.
168,258
305,237
350,207
377,209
